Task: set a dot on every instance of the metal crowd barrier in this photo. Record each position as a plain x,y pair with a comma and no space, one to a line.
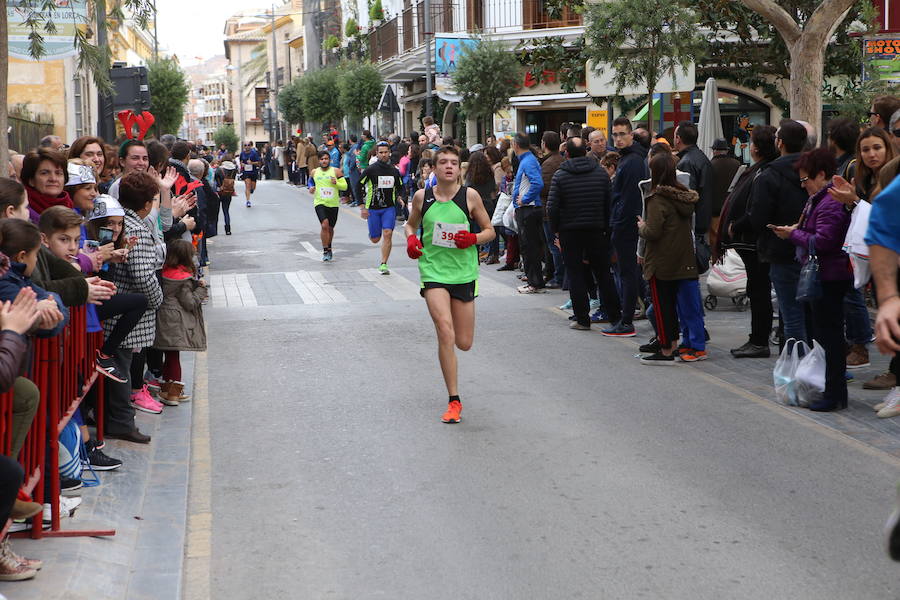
63,370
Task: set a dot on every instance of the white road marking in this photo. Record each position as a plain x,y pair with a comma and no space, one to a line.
311,251
394,285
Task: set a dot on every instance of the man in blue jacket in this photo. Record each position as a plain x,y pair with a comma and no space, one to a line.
529,214
626,207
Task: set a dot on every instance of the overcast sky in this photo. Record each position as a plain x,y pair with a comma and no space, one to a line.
194,29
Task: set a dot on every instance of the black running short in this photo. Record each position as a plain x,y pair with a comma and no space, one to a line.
248,176
327,212
465,292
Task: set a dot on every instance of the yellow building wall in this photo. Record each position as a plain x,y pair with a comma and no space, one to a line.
41,85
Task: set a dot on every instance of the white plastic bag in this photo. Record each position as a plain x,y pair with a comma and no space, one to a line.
810,376
855,244
785,371
509,218
503,202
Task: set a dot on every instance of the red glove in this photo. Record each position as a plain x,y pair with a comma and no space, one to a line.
464,239
413,247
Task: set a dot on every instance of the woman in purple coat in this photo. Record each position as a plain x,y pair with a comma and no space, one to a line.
825,220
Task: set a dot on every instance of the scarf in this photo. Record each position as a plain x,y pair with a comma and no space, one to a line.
39,202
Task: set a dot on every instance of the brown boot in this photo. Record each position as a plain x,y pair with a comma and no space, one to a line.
177,391
858,356
166,395
884,381
24,510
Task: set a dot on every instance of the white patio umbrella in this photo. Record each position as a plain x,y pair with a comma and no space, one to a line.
710,126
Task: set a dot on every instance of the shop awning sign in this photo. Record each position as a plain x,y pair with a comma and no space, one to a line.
66,15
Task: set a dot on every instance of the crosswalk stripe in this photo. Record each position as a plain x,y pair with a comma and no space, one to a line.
335,295
300,287
396,286
311,251
245,291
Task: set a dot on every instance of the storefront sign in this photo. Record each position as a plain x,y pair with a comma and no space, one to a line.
598,119
882,56
505,123
66,15
602,84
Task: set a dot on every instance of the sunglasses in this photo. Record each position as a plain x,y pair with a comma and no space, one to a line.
804,180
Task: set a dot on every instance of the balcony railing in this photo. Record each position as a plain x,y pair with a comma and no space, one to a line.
407,31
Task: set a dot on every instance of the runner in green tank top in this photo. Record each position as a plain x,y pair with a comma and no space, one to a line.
326,183
448,262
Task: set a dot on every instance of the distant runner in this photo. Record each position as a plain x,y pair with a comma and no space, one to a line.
326,183
249,160
383,184
448,262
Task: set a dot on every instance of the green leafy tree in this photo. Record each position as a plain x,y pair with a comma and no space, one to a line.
320,93
226,135
643,39
290,101
740,37
168,94
351,29
360,86
376,12
487,75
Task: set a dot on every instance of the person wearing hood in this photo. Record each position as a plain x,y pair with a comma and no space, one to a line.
669,251
578,211
778,198
44,174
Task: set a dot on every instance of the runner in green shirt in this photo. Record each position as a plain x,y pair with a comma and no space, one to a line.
448,262
326,183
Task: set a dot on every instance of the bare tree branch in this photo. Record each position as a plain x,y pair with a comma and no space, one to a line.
778,17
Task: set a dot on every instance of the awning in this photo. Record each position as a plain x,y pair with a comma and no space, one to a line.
642,114
388,102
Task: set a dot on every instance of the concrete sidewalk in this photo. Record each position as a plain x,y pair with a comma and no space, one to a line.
145,501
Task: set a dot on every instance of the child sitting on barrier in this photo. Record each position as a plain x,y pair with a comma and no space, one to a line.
179,321
21,242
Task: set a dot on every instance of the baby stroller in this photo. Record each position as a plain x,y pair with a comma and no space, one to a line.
727,280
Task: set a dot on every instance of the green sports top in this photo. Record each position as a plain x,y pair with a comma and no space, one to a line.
441,260
326,192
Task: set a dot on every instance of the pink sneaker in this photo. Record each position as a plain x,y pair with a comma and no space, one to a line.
145,402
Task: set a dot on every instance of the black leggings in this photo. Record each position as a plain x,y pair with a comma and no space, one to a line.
130,308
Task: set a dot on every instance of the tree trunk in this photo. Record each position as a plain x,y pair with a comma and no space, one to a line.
807,69
650,112
807,47
4,96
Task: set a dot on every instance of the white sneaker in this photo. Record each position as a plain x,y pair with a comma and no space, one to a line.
66,506
890,395
891,405
595,304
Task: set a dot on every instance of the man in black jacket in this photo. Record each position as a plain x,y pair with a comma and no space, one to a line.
627,204
578,206
778,199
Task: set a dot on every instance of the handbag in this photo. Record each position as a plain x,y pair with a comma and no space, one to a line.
809,286
503,201
703,254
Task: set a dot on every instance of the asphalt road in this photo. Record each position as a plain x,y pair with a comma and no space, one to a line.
577,472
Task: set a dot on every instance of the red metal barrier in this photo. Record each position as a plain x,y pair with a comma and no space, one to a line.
63,370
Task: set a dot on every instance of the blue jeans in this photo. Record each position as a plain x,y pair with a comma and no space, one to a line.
784,279
690,314
559,267
856,317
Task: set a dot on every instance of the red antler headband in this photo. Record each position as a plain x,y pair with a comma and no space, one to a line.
144,121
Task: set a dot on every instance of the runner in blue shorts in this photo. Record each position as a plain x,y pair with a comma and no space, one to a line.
383,184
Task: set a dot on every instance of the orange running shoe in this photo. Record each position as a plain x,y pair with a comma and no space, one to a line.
694,355
453,410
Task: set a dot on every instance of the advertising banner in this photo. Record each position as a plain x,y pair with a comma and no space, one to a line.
447,51
882,55
66,15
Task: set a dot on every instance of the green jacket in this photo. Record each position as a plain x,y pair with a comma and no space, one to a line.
362,158
57,275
